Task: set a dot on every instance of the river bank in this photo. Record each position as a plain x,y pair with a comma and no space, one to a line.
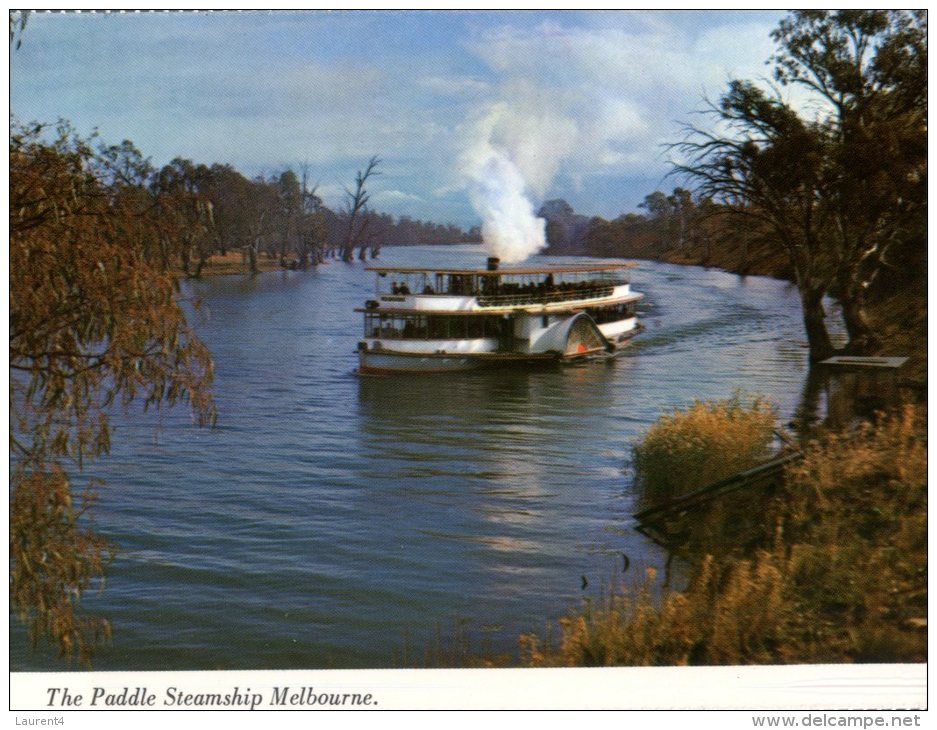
236,262
833,570
898,314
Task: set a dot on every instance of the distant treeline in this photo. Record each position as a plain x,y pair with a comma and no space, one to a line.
676,227
685,228
215,209
283,217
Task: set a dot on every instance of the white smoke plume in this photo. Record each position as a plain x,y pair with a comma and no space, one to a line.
514,151
569,103
510,230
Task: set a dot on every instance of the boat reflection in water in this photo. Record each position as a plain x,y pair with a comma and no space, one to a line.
498,471
443,320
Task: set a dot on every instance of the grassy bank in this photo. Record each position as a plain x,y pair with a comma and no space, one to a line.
235,262
832,568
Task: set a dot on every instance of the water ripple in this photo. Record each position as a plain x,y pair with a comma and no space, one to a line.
329,516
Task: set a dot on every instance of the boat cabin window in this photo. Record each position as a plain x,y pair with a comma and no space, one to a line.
430,327
612,313
401,283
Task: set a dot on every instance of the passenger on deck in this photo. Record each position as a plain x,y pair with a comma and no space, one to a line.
404,289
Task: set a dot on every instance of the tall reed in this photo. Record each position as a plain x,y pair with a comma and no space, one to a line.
702,444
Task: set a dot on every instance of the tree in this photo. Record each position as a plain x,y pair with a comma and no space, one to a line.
185,206
95,321
228,191
260,203
312,225
842,189
869,69
768,169
288,214
356,206
18,20
565,230
660,209
684,211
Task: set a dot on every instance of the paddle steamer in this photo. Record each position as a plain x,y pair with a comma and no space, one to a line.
443,320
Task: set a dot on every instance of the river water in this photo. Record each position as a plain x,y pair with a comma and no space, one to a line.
332,520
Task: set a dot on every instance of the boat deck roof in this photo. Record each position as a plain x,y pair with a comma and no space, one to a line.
546,269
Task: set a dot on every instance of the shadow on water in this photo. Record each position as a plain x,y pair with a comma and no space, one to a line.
839,399
484,397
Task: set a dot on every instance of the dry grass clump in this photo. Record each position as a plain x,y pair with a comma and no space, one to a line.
698,626
707,442
842,577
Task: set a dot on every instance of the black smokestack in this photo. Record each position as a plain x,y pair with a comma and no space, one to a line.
493,262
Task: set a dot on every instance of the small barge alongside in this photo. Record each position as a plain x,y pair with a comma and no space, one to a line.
442,320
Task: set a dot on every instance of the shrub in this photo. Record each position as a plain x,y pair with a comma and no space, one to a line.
707,442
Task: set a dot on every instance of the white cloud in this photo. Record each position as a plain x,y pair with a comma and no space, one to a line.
584,97
734,51
392,197
623,90
453,85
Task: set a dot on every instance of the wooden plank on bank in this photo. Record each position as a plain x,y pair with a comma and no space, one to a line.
750,477
862,363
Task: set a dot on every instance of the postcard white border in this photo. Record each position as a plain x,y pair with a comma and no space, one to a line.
897,687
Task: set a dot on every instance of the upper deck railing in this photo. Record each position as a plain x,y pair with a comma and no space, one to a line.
516,285
546,296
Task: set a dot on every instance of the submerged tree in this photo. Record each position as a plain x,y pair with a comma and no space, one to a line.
95,321
356,218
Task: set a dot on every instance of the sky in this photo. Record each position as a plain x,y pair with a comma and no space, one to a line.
582,103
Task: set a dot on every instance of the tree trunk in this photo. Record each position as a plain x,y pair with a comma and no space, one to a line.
252,256
861,339
818,338
202,260
850,290
808,412
184,257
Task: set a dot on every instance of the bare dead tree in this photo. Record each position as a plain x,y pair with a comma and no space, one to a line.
312,230
356,209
